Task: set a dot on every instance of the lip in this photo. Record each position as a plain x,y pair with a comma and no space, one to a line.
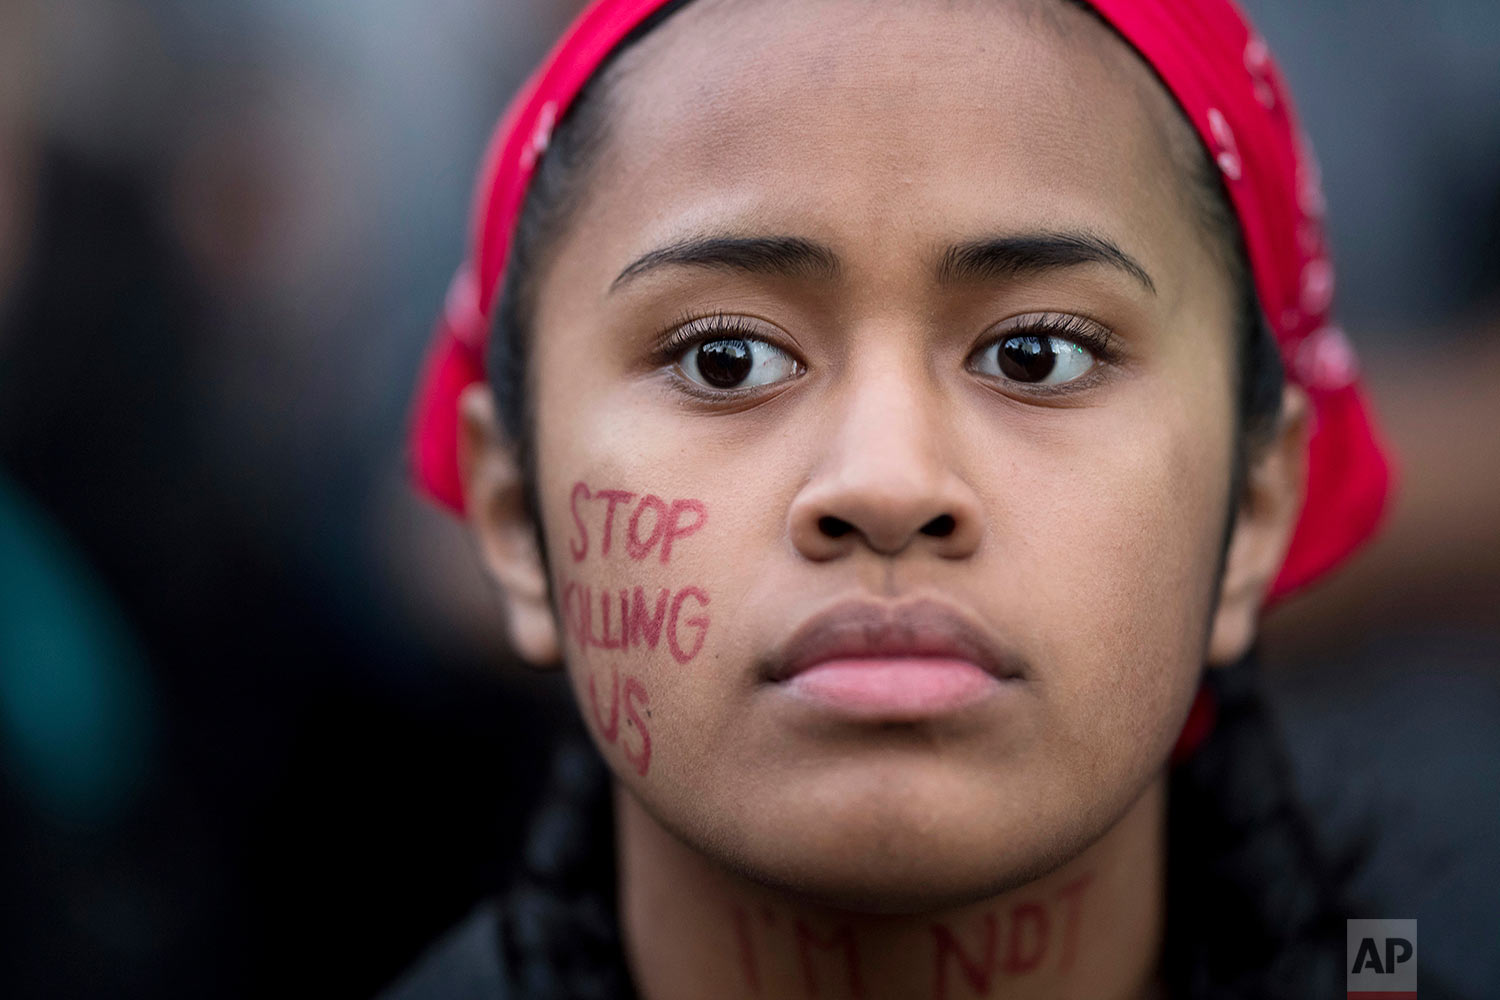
879,660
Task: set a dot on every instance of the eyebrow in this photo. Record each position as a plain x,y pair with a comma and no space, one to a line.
1030,253
787,256
972,261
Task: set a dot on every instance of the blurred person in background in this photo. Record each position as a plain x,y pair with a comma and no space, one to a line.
1387,678
191,341
77,715
1408,126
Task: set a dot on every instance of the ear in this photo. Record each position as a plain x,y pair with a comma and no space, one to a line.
494,497
1268,509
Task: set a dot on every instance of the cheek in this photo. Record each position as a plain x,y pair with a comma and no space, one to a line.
667,541
635,536
1108,546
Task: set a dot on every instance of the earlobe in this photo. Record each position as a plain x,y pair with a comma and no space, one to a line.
1274,485
495,501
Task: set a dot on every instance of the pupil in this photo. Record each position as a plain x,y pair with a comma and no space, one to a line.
1027,359
724,363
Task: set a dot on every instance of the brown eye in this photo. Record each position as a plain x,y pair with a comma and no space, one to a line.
1027,359
736,363
1036,359
724,364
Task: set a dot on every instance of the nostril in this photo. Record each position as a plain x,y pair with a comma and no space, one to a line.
940,527
834,527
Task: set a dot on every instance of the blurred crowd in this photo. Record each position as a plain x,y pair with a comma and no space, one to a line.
258,728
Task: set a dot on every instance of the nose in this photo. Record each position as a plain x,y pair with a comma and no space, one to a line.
886,479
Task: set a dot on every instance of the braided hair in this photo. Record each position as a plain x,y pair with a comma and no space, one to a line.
1254,910
559,936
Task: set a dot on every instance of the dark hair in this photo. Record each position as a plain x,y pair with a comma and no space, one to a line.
561,179
1254,910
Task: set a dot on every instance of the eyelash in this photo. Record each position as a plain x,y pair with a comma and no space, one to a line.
1089,334
1065,326
691,330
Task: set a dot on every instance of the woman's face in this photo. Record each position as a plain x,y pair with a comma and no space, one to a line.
957,349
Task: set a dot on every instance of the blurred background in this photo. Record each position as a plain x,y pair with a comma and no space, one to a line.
257,726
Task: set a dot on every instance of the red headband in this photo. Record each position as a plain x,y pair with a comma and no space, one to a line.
1222,76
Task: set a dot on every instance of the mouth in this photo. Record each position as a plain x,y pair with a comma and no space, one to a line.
892,662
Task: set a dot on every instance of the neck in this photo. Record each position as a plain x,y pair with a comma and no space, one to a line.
1090,928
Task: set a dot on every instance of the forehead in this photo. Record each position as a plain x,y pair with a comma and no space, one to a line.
881,126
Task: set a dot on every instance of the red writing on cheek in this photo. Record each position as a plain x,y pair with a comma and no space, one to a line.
627,620
1027,942
636,700
637,710
636,546
613,497
699,622
677,527
579,548
654,526
609,730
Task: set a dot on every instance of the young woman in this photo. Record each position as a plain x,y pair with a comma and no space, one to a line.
894,418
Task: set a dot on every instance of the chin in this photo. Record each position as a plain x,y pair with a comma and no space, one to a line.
894,848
